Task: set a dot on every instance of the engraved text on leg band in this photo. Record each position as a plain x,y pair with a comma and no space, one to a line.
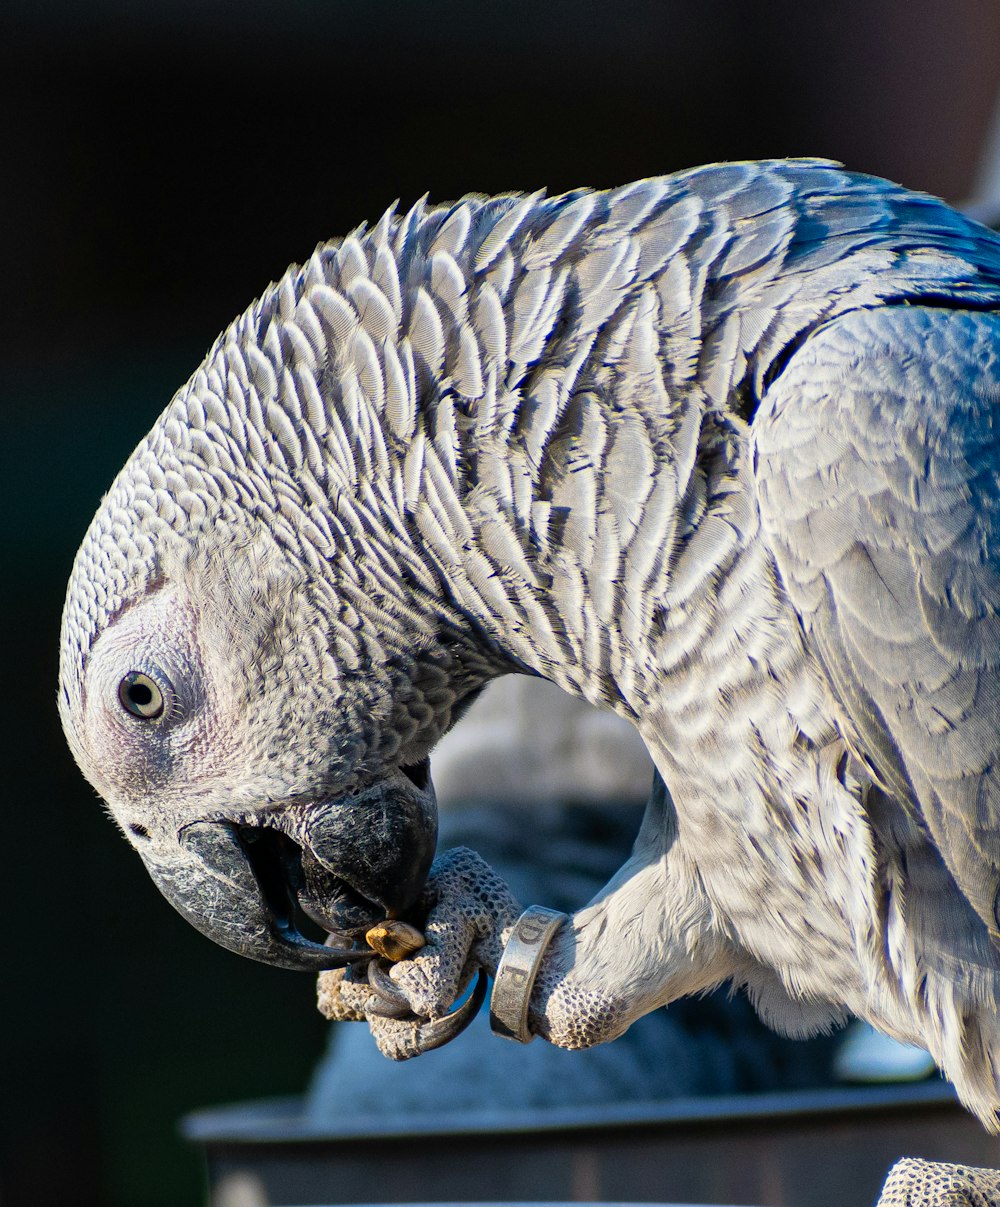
517,970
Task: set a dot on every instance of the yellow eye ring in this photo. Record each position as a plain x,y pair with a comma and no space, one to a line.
140,696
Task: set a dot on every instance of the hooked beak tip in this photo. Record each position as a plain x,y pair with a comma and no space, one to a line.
219,890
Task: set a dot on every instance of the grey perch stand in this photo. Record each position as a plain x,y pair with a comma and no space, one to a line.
807,1148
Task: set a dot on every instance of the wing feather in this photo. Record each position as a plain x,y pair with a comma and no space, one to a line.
878,474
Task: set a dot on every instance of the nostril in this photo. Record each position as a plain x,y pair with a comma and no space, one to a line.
419,774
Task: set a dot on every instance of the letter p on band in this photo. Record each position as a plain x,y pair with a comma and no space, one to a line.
517,970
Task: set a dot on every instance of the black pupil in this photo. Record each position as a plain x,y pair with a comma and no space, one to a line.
140,694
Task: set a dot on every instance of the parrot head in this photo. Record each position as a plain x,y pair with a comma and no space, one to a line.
259,645
263,750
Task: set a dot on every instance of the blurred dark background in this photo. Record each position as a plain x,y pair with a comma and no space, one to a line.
162,161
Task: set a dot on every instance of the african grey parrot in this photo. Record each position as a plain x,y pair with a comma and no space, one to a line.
715,451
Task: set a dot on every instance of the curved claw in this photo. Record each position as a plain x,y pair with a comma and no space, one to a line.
388,1000
377,1007
440,1031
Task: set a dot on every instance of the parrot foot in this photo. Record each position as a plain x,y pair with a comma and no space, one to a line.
916,1183
399,1033
408,1004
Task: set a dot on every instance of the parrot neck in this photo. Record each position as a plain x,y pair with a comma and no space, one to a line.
522,412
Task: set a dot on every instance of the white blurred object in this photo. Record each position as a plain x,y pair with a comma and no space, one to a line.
868,1056
984,204
527,741
240,1188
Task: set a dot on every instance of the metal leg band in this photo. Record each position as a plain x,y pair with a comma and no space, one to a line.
517,970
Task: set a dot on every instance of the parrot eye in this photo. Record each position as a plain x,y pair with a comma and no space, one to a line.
140,696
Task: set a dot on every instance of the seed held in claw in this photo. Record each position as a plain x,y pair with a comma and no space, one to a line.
394,939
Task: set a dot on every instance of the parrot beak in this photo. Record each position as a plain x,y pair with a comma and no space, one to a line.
345,864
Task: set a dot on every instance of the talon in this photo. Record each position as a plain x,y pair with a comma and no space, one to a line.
439,1031
378,1006
387,989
